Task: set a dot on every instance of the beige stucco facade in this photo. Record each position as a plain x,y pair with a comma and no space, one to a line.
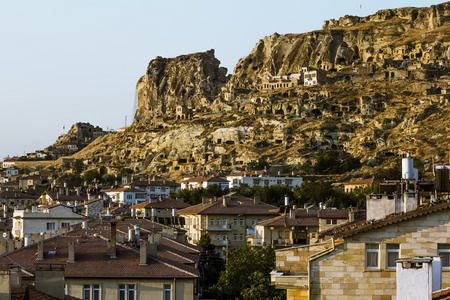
182,289
338,270
222,229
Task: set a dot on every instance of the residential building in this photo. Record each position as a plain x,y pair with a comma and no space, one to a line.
357,260
204,182
9,163
291,228
13,198
227,220
314,77
155,188
11,172
352,186
29,182
126,195
262,178
45,219
158,208
93,263
68,197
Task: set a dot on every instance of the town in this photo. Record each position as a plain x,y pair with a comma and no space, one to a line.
318,169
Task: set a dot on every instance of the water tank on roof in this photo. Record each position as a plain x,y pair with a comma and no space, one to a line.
408,171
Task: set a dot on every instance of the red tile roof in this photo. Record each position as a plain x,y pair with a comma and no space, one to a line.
367,181
163,203
236,205
15,195
301,219
360,226
443,294
91,260
205,179
332,214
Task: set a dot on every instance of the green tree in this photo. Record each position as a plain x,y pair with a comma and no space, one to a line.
210,265
314,192
77,166
260,289
246,269
90,175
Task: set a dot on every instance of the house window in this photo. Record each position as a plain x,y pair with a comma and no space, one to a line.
331,222
224,222
253,222
91,292
241,222
65,225
444,252
50,226
372,257
392,253
163,189
286,235
167,292
212,222
235,222
129,196
235,237
241,237
127,292
218,222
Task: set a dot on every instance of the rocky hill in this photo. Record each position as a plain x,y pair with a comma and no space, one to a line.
372,87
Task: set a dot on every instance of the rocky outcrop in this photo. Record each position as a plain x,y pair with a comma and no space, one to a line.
392,34
188,80
80,133
385,92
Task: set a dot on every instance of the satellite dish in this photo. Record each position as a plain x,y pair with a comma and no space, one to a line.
5,235
138,212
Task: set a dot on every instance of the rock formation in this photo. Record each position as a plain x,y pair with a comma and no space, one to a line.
188,80
373,87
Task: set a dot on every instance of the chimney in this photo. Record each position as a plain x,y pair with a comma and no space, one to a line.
84,224
351,215
422,273
111,250
286,200
292,212
27,240
256,200
71,252
40,255
49,279
204,200
147,250
67,191
225,201
10,279
155,238
174,212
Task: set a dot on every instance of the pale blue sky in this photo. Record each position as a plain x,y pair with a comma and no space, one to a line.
63,62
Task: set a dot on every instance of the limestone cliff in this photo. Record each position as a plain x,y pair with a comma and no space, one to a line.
387,35
380,89
191,80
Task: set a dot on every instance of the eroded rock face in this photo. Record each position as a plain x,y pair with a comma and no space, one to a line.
183,80
387,93
387,35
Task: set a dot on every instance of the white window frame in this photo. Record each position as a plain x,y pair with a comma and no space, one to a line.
167,288
331,222
444,251
377,251
211,222
388,251
92,288
51,225
126,289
